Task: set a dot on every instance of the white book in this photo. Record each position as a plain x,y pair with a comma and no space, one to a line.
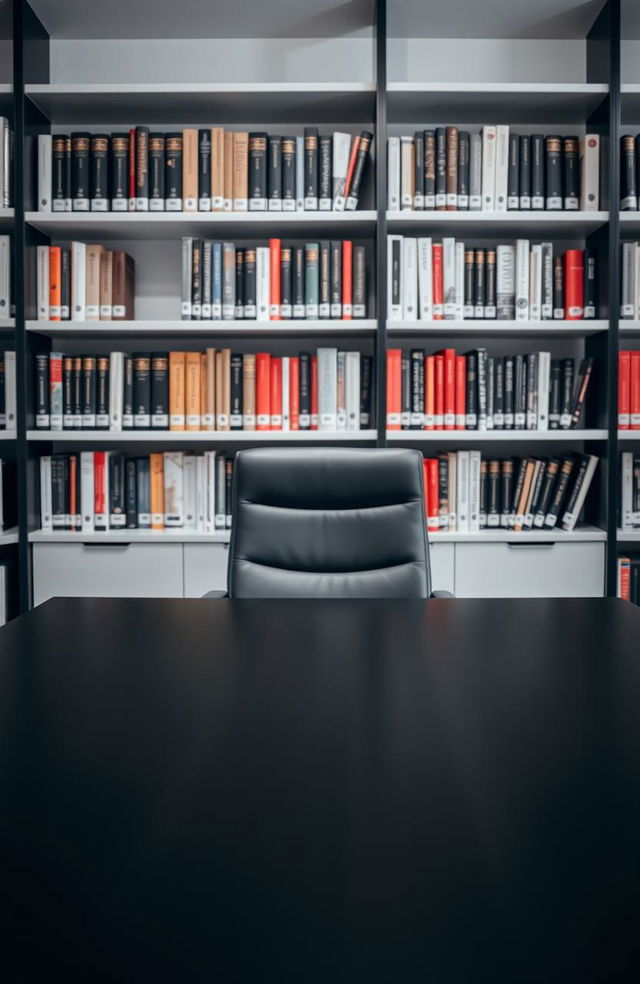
475,173
462,490
570,519
87,498
474,491
341,393
42,278
78,281
173,489
394,277
409,279
502,168
488,168
352,390
449,276
459,280
189,496
522,280
44,172
221,488
340,163
393,174
263,282
327,388
627,518
10,389
116,394
210,503
300,173
544,382
46,501
286,407
407,169
590,172
5,277
535,283
425,279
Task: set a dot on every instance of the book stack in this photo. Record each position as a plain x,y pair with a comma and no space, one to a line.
629,172
629,518
215,390
630,281
8,419
431,281
222,281
466,493
476,391
493,170
103,490
205,170
84,282
628,390
6,293
629,578
6,163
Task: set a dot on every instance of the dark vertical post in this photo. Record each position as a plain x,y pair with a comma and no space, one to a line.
381,223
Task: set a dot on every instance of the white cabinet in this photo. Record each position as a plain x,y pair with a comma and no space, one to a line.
442,557
529,570
205,568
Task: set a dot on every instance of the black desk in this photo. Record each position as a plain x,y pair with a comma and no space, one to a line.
291,791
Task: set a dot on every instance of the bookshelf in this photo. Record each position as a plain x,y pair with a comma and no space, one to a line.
392,68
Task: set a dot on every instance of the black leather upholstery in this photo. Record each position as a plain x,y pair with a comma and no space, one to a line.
328,523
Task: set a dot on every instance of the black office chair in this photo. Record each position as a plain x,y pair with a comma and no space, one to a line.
328,523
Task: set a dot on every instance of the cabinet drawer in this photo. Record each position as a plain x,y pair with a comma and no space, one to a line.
107,570
529,570
205,568
442,557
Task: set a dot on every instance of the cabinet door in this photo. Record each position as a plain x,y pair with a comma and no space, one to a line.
205,568
529,570
107,570
442,566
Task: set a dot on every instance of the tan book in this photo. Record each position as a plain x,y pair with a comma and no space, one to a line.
192,391
190,170
228,171
203,388
177,368
521,508
223,389
106,285
240,172
217,168
249,392
156,482
209,413
123,293
92,284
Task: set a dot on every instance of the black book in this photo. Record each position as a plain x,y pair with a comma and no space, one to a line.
509,394
240,301
549,481
525,172
336,278
127,393
573,489
59,495
76,386
479,288
469,283
117,498
288,174
305,390
559,492
471,400
506,483
366,367
395,301
513,173
362,156
325,176
228,489
493,505
250,282
359,282
580,393
429,169
498,394
558,288
236,391
324,294
532,391
286,282
418,146
481,355
196,280
517,490
159,391
483,497
405,391
299,309
119,170
89,391
257,172
416,419
65,283
204,170
464,151
67,391
156,172
173,172
42,391
310,168
490,298
142,169
519,392
443,491
555,394
80,171
61,172
131,494
142,390
274,174
628,185
537,171
553,168
590,283
566,392
441,167
571,173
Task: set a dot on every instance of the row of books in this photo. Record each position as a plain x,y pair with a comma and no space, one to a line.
630,281
211,390
629,172
6,293
84,282
629,518
105,490
8,390
628,390
466,492
6,163
629,578
430,281
475,391
494,170
223,281
210,169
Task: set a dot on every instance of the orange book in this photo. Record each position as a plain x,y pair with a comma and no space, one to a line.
347,280
634,390
192,391
352,164
275,399
394,388
227,173
314,392
223,389
156,481
203,389
624,390
274,279
263,391
55,285
190,170
461,392
449,389
100,505
209,413
439,391
429,392
249,391
217,169
438,290
294,393
574,284
432,491
177,368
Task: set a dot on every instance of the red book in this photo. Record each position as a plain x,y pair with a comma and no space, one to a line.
439,392
294,393
438,289
449,389
99,488
263,391
276,393
429,392
274,279
394,388
624,578
574,284
132,169
433,503
55,286
634,391
461,391
624,390
314,392
347,280
352,164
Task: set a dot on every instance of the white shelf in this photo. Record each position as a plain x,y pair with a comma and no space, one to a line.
629,435
91,329
8,435
629,223
7,215
628,536
169,225
629,326
556,535
477,102
7,324
567,225
493,436
129,536
100,437
630,103
493,328
9,536
195,102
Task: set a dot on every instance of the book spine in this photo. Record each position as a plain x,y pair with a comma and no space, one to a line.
628,185
274,173
452,168
475,173
362,156
429,139
513,178
589,150
173,172
525,173
502,168
204,170
45,162
288,174
571,158
441,168
393,174
310,169
325,177
488,168
258,172
464,149
537,171
418,180
156,172
553,169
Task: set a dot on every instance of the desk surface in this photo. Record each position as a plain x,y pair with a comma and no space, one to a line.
444,792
